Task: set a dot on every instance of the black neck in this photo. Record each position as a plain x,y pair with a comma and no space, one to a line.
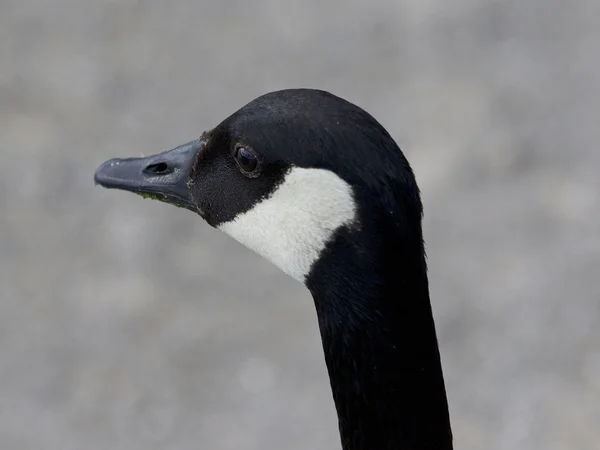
379,339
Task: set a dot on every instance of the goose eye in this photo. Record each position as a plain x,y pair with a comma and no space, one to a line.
246,159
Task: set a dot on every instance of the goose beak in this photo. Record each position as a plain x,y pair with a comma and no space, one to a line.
163,177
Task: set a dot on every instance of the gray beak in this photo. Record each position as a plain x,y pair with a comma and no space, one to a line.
164,176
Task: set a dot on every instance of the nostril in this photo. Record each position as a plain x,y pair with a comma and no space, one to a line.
158,168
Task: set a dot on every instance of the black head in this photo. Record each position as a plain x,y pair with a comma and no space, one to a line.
282,175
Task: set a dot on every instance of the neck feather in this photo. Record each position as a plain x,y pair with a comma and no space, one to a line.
380,345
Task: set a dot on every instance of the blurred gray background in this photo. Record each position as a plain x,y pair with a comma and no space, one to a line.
129,324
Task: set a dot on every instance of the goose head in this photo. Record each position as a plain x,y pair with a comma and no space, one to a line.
283,175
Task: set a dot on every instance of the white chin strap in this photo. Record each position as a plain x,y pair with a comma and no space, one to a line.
291,227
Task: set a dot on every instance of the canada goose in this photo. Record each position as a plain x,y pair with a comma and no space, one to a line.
318,187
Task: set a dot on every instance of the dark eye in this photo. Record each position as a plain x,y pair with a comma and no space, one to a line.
246,159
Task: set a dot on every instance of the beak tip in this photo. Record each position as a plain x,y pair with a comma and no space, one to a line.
100,174
109,174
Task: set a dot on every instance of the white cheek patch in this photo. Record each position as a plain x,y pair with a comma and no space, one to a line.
292,226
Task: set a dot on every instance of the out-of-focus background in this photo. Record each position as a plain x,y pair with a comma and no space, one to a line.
128,324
